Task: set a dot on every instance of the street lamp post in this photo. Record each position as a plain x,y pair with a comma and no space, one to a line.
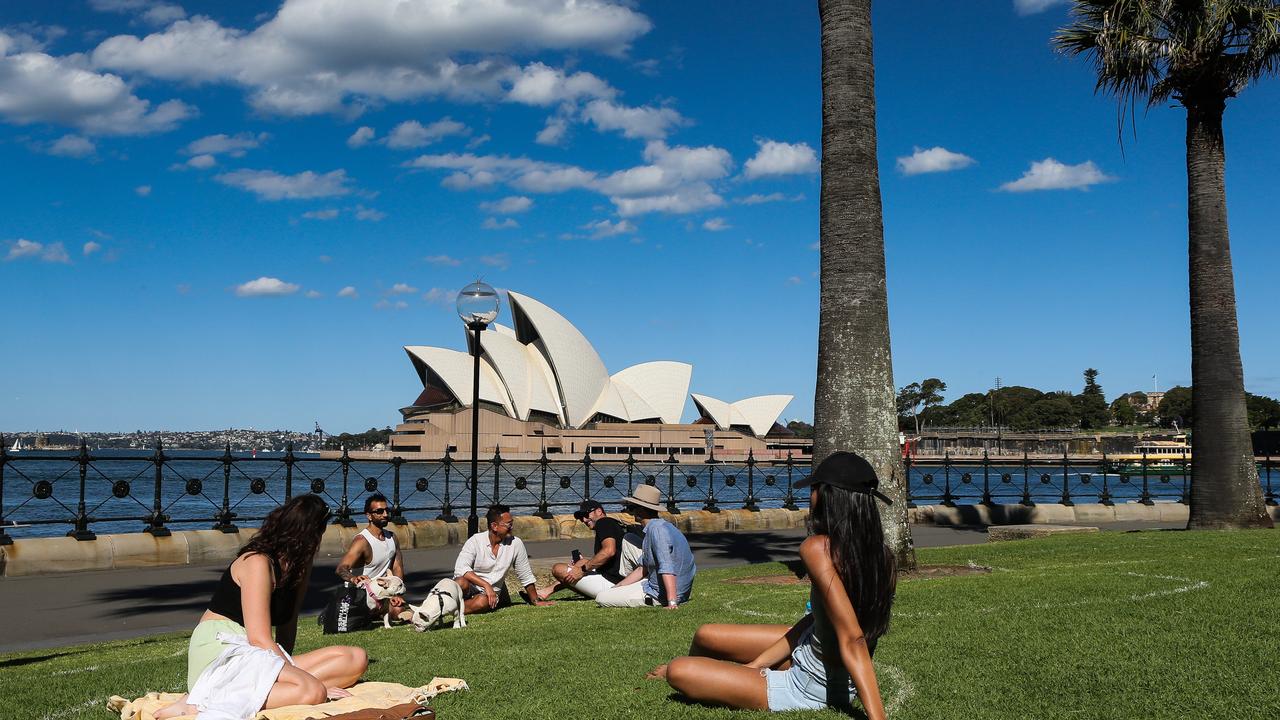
477,306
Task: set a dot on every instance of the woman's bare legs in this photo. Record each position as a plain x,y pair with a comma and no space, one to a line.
735,643
719,682
295,687
334,666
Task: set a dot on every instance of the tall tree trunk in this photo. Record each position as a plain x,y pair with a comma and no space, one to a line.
1224,479
854,404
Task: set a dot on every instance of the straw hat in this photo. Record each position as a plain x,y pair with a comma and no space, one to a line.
645,496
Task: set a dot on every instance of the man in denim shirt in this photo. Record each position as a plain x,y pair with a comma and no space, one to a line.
665,575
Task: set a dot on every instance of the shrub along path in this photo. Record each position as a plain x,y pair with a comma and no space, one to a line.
1111,625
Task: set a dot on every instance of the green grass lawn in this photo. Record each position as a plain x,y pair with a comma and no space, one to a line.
1114,625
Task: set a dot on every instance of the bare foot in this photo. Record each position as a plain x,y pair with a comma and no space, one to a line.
658,673
545,592
178,709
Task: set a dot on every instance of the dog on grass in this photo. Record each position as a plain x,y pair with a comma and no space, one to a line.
444,600
380,591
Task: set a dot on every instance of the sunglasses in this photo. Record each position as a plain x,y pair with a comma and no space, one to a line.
378,511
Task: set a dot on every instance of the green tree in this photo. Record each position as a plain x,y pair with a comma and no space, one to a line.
854,406
1176,407
1091,404
931,390
1122,412
1199,54
801,428
908,402
1264,412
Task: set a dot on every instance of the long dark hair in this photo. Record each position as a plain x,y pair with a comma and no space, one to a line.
290,535
851,522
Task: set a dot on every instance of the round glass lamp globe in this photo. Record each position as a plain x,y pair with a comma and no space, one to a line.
478,302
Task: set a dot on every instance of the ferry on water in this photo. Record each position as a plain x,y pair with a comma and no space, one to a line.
1160,457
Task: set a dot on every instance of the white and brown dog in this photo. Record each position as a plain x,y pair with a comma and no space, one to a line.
444,600
381,590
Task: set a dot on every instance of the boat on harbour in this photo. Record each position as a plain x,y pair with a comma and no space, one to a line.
1157,457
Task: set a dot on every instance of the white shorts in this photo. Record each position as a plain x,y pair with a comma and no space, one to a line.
592,585
623,596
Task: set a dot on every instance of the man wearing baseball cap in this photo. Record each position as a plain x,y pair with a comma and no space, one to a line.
616,553
665,575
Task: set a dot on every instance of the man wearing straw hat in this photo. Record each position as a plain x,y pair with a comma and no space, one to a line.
665,574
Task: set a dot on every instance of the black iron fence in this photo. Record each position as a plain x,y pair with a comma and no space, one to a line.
85,492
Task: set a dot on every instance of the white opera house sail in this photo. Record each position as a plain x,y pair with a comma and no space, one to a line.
544,388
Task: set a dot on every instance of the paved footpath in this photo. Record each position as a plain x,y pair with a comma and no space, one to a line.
56,610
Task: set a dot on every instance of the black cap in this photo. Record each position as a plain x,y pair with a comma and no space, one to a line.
586,507
846,470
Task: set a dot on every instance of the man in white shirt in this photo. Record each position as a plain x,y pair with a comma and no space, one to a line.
486,558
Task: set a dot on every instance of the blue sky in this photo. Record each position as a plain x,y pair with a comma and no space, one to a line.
197,230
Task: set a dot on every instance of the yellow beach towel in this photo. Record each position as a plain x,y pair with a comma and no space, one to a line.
366,695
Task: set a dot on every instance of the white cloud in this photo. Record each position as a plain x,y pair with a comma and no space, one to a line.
143,190
780,158
402,289
271,185
1049,174
538,84
23,249
370,214
325,214
72,146
687,199
507,205
348,292
605,228
313,294
91,247
935,159
440,296
202,162
1031,7
413,134
360,137
498,260
154,12
758,199
716,224
319,56
553,133
222,144
443,260
795,280
491,223
39,88
647,122
266,286
477,141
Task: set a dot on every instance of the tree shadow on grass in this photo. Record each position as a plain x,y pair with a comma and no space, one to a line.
20,661
755,547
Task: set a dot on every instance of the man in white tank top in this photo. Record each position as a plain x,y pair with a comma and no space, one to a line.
375,549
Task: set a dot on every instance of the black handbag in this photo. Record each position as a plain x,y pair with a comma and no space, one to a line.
346,611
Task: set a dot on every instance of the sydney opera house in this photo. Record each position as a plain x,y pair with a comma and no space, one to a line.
544,388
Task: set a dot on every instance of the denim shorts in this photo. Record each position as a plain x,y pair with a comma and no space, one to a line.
795,689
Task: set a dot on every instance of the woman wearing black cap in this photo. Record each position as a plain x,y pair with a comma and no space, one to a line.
824,660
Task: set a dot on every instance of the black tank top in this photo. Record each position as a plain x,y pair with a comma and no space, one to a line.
226,598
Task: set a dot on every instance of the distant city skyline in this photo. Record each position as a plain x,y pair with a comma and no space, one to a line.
236,213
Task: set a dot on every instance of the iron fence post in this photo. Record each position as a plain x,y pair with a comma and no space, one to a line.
1026,480
155,523
1066,478
586,474
343,516
948,500
631,468
82,531
446,511
289,459
1106,491
1146,489
711,462
751,505
497,469
671,463
225,515
906,462
544,509
1271,496
4,460
986,479
789,502
397,513
1186,497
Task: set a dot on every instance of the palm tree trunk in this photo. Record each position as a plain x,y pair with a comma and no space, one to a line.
854,407
1224,479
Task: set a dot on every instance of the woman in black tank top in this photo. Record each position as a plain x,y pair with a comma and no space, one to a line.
263,589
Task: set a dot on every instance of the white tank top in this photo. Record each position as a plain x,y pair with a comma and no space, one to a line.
384,552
